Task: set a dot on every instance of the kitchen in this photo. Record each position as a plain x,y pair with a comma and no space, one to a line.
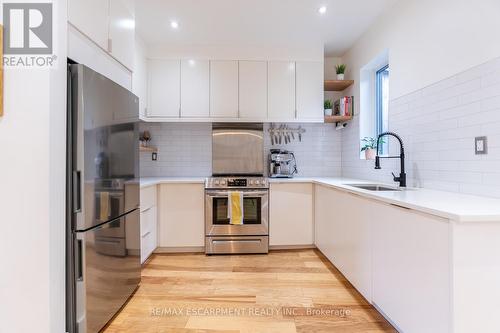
207,167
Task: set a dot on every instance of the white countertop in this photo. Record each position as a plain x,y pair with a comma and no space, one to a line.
150,181
449,205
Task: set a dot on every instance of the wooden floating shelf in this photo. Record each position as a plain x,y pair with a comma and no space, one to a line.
148,149
337,85
337,119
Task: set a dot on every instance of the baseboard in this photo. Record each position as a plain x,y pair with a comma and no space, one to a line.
291,247
201,249
181,249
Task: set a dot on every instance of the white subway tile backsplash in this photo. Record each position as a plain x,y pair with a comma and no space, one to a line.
438,125
185,149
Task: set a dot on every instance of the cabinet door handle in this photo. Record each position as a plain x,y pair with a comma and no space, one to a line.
110,45
77,191
79,260
147,233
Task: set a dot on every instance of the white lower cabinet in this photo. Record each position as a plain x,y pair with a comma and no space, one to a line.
148,232
397,258
411,269
343,234
291,214
148,209
181,215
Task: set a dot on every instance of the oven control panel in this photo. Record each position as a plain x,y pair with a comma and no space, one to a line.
239,182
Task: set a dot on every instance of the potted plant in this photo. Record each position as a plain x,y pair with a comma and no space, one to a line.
328,107
370,147
144,138
340,69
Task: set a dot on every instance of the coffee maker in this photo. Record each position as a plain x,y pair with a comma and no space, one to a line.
282,164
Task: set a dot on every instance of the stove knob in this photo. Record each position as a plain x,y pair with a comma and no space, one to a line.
223,182
257,182
251,182
216,182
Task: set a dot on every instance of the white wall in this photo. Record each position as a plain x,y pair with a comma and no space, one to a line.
429,40
331,74
313,52
32,146
443,93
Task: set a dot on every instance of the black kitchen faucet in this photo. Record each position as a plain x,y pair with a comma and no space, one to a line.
402,176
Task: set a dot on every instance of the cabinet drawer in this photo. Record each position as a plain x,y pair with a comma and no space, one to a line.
148,245
148,197
148,220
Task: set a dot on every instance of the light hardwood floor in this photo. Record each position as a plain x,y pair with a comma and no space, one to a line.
277,293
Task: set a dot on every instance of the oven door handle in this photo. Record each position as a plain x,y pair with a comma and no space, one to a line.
224,194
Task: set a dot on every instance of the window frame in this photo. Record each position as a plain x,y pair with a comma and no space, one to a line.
379,107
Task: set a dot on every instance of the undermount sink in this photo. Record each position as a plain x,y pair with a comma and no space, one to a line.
374,187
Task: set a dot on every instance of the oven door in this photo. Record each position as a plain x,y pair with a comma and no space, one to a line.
255,214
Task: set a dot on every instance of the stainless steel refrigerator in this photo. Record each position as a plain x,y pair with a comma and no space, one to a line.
103,233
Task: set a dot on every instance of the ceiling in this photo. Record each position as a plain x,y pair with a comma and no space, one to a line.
257,22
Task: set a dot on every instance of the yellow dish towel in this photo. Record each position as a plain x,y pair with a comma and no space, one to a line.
104,206
235,208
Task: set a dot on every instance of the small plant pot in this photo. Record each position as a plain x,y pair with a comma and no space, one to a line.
370,154
328,112
340,76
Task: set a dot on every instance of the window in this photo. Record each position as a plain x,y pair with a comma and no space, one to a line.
382,103
374,100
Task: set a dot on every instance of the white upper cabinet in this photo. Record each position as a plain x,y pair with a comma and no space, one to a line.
253,89
224,89
91,18
122,31
195,88
281,90
164,88
309,91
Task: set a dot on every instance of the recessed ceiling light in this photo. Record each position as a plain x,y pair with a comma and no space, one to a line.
322,10
174,24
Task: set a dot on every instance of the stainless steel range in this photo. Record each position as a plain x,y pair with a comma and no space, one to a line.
238,169
252,236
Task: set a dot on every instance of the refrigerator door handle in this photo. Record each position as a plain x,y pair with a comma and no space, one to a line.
79,260
77,191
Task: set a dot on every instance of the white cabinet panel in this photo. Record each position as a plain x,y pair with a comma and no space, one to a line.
323,220
224,89
181,222
291,214
148,232
310,91
164,88
195,77
343,234
122,31
411,269
140,76
253,89
149,221
281,90
91,18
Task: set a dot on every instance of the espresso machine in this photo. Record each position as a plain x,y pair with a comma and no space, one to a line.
282,164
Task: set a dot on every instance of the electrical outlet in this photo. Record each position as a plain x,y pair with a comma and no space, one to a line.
481,145
154,156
